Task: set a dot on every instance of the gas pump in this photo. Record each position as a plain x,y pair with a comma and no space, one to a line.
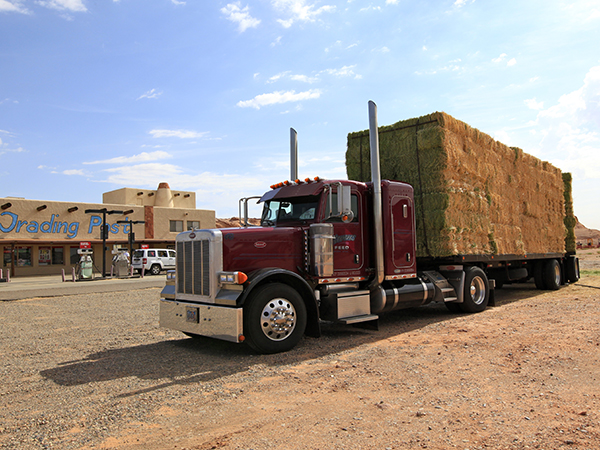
121,262
86,265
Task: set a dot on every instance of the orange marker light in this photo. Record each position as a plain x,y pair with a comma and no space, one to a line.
242,277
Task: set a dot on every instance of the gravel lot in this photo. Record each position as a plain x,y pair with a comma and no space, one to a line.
95,371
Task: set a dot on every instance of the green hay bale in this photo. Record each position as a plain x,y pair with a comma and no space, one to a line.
473,195
570,220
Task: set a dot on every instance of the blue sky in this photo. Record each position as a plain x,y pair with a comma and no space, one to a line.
100,95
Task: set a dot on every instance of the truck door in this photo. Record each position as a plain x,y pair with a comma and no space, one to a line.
403,238
348,245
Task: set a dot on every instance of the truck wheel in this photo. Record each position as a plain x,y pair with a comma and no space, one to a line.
552,275
155,269
274,318
477,291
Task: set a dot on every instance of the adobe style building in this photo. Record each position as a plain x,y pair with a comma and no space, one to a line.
39,237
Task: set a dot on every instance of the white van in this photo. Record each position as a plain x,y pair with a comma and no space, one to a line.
153,260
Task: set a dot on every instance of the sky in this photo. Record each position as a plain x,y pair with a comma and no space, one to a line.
201,94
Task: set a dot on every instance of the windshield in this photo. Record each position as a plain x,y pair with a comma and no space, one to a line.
286,211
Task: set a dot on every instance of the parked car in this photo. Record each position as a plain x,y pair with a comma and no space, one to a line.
153,260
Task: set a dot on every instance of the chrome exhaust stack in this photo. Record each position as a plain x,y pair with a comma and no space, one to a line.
377,196
293,155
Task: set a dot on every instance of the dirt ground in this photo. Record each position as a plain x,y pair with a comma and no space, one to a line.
524,374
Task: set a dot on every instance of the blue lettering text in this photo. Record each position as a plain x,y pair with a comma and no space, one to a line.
13,222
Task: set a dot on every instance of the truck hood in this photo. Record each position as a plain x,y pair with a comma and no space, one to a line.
253,248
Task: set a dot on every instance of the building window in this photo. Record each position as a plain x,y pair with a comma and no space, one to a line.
58,255
24,256
193,224
74,256
176,226
45,256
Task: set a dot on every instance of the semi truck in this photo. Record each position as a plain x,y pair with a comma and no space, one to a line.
330,250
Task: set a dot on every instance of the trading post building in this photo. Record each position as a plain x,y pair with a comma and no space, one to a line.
39,237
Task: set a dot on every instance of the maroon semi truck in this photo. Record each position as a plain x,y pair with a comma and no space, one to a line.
340,251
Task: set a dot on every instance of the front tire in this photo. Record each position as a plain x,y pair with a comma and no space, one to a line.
274,318
477,291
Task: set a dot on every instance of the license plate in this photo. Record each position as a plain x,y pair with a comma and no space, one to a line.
191,315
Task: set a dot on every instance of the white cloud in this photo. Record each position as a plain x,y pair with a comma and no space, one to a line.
500,58
569,129
152,93
13,6
183,134
277,77
534,104
381,50
391,2
461,3
235,13
299,11
304,78
370,8
177,2
345,71
64,5
279,97
73,172
144,156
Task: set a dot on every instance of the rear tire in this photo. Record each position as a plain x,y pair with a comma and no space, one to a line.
477,291
155,269
552,275
274,318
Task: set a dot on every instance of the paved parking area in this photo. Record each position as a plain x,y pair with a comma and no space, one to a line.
20,288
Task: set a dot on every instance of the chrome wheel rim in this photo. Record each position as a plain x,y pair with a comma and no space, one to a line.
477,290
278,319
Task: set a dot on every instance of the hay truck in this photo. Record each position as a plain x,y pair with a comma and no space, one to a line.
349,251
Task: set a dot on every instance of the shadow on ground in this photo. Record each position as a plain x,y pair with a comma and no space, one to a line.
196,360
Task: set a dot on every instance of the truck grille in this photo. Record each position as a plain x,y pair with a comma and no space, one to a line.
193,267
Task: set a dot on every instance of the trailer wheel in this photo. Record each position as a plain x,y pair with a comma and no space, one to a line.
552,275
274,318
477,291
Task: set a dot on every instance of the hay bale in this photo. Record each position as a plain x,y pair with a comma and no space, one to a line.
473,195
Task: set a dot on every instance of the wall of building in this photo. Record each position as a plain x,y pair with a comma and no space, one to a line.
39,237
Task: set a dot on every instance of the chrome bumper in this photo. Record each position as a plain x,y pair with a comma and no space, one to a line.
205,320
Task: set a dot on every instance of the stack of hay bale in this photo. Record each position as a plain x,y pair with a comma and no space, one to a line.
473,195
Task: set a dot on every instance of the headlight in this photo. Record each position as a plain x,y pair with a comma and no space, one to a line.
232,277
